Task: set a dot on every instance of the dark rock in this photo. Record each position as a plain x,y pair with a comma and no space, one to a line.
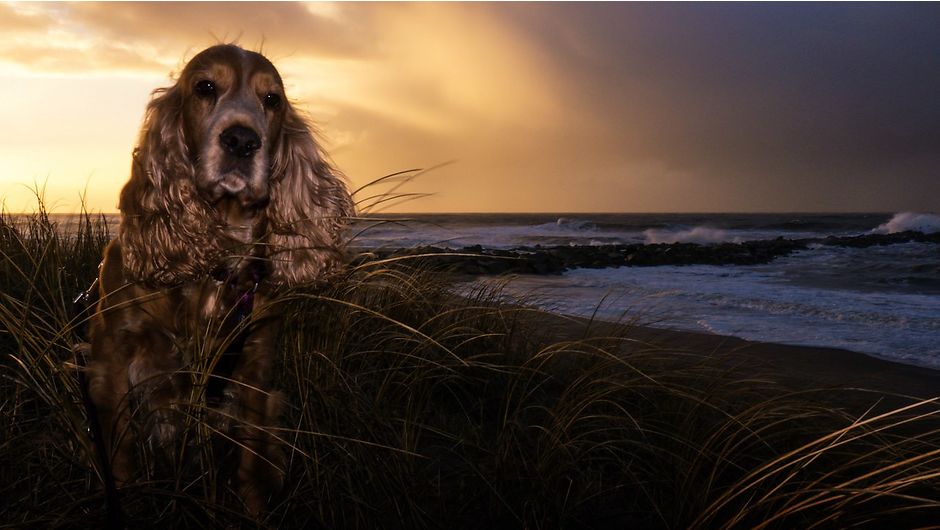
477,260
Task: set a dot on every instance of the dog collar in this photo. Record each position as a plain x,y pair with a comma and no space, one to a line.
231,279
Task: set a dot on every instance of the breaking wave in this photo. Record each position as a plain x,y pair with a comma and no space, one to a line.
927,223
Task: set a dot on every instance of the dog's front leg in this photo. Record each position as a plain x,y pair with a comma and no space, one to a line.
108,388
133,363
158,385
260,472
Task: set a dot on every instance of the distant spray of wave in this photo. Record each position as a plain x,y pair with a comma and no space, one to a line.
578,225
699,234
561,227
927,223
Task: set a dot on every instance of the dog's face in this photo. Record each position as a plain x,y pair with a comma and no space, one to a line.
233,109
224,161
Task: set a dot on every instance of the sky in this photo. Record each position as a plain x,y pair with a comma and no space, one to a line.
527,107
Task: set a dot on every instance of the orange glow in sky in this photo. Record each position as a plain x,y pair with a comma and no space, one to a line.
540,107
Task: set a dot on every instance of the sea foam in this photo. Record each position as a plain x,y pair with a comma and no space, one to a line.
699,234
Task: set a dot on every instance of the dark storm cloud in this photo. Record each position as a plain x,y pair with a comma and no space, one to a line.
822,96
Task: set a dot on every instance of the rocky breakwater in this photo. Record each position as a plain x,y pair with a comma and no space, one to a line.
871,240
477,260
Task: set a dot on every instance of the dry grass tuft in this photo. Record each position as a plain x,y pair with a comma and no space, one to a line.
409,407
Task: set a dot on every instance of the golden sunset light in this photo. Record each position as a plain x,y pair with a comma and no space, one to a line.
541,107
464,265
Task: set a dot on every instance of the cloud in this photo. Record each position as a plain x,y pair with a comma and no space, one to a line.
563,106
754,99
287,26
80,60
158,36
24,18
681,106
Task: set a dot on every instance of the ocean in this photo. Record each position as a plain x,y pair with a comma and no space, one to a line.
882,300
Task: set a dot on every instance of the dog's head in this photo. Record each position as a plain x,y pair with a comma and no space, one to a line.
223,156
233,110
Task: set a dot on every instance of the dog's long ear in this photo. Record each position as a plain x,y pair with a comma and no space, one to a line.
167,231
308,208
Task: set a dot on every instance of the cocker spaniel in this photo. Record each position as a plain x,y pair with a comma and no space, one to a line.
229,199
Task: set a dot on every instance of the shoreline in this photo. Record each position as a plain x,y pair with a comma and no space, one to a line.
796,366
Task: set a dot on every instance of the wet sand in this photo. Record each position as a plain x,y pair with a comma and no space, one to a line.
796,367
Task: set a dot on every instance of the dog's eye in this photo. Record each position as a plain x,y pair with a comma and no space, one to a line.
272,101
205,88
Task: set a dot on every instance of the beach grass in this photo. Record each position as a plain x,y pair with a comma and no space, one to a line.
408,406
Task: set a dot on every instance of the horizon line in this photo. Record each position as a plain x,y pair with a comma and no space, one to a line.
561,212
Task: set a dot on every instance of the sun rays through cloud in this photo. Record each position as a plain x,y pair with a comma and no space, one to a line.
545,107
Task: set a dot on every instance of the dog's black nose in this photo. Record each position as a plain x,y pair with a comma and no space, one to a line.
240,141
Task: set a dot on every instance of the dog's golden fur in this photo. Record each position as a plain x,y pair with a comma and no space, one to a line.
210,219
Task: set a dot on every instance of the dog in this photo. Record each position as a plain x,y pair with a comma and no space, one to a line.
230,199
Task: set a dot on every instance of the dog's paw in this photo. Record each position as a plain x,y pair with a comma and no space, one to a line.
263,483
81,354
162,430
